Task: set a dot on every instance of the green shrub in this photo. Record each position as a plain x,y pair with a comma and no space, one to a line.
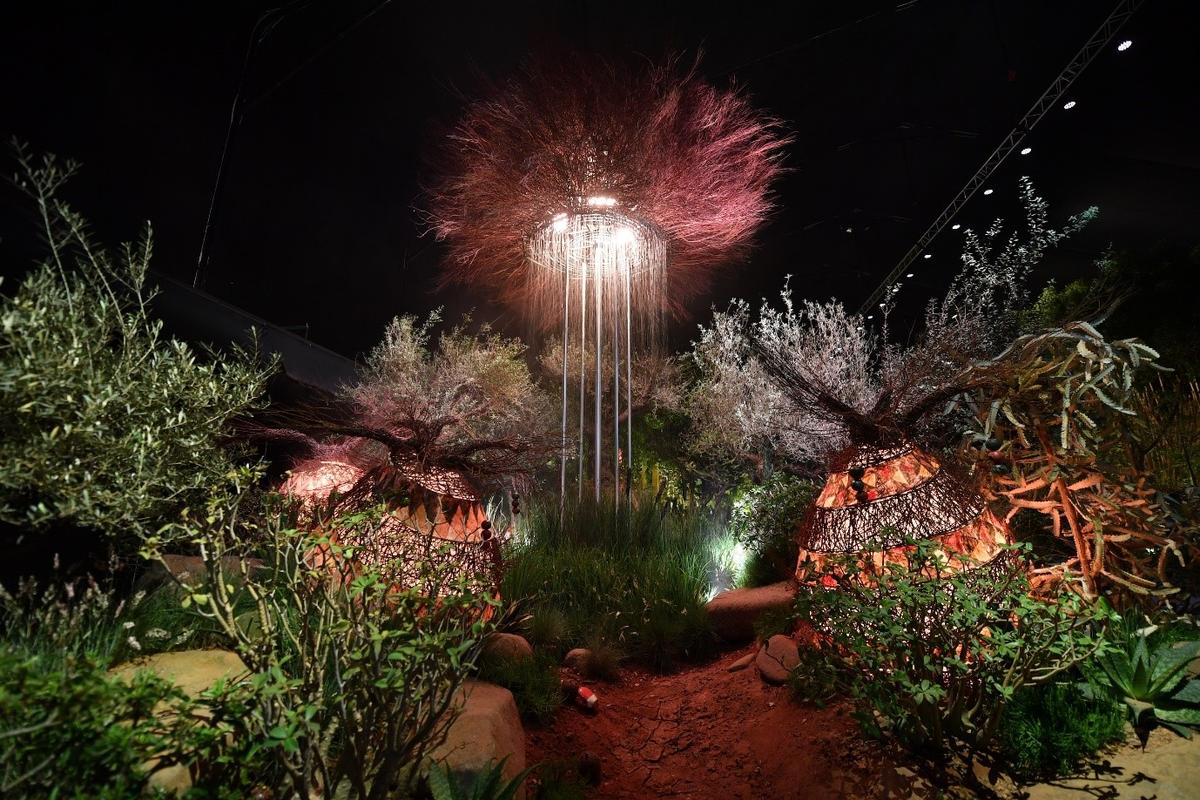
603,661
638,579
534,683
1047,730
71,730
816,678
547,629
105,423
934,654
353,676
775,621
764,522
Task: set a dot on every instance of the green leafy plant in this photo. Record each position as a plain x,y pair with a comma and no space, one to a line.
774,621
816,678
489,784
105,422
934,653
764,522
1151,677
351,675
1047,730
68,729
533,681
637,578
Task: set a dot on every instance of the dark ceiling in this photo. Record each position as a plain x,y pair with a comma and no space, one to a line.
893,107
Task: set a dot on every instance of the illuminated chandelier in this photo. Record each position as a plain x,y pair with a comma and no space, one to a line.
595,200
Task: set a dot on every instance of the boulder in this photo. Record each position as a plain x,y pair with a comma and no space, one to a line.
507,647
579,659
189,570
193,671
732,614
486,731
777,658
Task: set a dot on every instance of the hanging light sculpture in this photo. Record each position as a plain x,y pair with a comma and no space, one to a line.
596,199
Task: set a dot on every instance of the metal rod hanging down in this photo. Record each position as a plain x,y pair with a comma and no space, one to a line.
616,412
599,281
562,490
628,394
582,364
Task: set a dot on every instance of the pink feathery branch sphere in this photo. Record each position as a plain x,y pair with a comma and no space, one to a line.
691,160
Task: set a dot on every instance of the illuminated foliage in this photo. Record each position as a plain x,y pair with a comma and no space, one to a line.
105,422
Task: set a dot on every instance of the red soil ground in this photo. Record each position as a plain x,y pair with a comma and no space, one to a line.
708,733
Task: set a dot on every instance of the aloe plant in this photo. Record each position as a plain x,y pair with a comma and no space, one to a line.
487,785
1152,679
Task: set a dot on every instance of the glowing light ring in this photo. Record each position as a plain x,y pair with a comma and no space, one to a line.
616,243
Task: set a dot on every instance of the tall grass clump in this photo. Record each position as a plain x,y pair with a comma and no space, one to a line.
635,577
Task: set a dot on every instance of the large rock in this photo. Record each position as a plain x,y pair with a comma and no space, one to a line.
507,647
777,658
487,730
193,671
191,570
732,614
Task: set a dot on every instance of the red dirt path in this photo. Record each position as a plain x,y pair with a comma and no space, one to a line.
706,733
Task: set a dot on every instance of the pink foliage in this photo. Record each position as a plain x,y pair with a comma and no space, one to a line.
690,159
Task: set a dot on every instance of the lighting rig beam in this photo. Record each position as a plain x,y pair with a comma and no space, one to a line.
1049,99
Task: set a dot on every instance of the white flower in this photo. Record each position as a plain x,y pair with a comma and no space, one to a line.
134,643
158,633
128,625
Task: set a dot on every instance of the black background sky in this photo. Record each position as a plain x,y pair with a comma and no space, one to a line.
893,107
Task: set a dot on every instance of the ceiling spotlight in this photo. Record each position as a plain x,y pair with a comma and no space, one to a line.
928,255
849,230
988,191
909,275
870,316
1125,45
1067,106
955,226
1026,151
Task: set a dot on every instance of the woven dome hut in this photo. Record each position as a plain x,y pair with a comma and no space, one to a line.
435,515
877,498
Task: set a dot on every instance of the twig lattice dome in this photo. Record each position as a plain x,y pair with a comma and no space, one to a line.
877,499
441,519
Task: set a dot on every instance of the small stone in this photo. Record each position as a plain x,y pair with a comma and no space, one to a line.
741,663
507,647
777,658
578,659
